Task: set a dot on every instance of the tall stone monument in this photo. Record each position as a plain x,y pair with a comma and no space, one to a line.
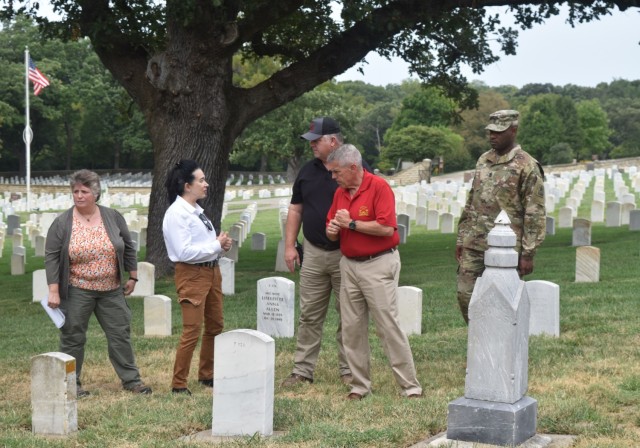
494,409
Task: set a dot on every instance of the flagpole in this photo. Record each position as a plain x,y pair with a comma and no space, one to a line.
27,136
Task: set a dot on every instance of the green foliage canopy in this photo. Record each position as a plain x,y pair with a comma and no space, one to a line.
593,121
415,143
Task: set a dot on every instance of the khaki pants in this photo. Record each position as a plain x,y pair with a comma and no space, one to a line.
372,287
320,274
200,296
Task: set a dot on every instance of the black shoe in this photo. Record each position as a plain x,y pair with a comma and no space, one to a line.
180,390
141,389
81,393
294,379
207,383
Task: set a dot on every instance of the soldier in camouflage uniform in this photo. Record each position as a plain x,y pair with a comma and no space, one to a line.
509,179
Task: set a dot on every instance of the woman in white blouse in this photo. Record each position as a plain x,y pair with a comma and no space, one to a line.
195,247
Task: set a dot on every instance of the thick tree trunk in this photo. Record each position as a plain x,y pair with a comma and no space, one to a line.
189,120
212,157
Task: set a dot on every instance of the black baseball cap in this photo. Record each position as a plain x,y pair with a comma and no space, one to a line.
321,126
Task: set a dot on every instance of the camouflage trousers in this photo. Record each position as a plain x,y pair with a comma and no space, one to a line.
470,268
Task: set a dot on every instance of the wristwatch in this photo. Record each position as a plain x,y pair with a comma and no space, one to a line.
352,225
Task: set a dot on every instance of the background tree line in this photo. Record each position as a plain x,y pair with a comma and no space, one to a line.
85,119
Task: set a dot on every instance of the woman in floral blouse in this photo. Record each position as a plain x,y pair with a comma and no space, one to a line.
88,249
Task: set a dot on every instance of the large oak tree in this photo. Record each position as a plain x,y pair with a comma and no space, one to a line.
174,58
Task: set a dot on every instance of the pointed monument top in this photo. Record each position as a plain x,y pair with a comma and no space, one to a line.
502,218
501,236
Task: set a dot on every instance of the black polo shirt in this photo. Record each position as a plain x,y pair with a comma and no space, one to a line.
314,189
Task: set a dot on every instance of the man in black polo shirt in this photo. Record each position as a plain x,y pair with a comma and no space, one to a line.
320,273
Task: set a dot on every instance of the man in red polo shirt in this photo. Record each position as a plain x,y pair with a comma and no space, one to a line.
363,218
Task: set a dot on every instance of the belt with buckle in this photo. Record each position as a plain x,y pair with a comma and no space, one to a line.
207,264
371,257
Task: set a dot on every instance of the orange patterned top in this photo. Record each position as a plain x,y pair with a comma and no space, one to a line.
93,263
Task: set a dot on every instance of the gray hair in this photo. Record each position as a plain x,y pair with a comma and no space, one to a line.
339,137
87,178
346,154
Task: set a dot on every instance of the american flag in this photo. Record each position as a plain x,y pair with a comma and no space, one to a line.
37,78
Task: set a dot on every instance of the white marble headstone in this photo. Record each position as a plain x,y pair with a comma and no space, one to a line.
613,214
258,241
565,217
421,216
157,315
244,366
40,287
281,265
402,233
236,232
18,238
233,253
587,264
581,232
411,211
448,223
135,238
40,245
550,223
228,273
13,222
597,211
17,264
544,301
53,394
625,210
410,309
146,284
276,296
405,220
433,220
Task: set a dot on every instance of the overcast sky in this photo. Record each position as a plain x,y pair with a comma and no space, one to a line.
555,53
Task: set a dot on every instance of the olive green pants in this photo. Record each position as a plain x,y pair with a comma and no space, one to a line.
114,316
470,268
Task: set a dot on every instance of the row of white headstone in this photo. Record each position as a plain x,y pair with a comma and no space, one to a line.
61,201
437,205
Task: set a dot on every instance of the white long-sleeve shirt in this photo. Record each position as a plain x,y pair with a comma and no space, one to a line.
187,237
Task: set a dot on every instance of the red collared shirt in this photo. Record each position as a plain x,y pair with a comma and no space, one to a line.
374,200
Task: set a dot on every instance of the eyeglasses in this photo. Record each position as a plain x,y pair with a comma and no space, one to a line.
206,221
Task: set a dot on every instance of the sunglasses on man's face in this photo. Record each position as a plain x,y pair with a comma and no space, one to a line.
206,221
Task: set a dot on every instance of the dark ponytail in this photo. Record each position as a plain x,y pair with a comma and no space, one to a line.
179,175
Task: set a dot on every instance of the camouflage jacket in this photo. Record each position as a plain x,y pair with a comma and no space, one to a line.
514,183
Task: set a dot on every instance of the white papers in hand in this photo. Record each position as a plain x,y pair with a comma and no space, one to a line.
56,315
